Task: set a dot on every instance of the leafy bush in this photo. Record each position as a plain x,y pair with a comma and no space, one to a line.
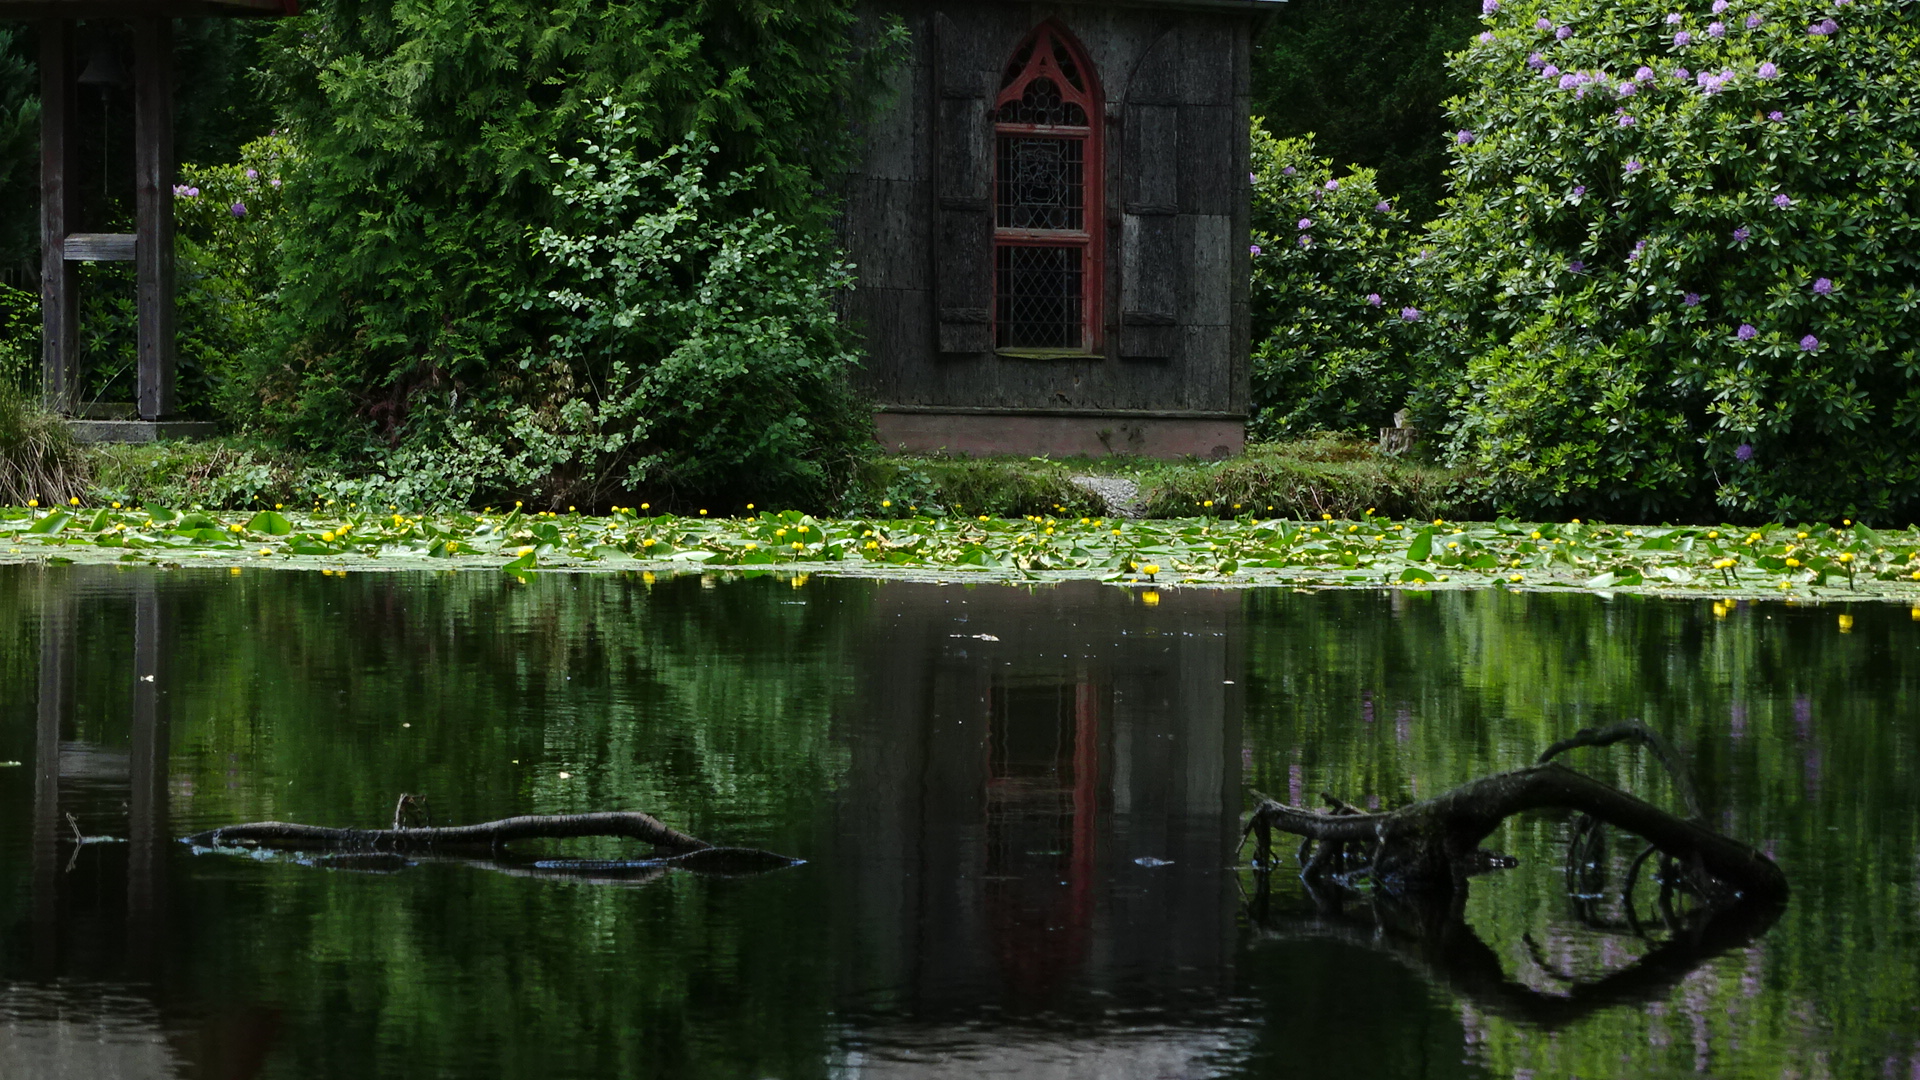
940,486
415,313
1326,474
1679,259
19,339
1329,292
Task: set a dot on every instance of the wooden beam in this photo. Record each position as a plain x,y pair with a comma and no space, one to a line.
59,312
153,200
99,247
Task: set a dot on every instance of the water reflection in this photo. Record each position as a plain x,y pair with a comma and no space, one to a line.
1019,810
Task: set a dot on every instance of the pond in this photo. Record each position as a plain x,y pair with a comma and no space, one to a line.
1019,811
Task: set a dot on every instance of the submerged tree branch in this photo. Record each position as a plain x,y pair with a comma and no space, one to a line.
680,850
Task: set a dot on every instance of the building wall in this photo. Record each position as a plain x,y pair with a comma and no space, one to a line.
1171,374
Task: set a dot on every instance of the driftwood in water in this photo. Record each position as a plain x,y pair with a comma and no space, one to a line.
1435,843
679,850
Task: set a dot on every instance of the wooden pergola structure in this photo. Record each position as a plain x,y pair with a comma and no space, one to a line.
150,246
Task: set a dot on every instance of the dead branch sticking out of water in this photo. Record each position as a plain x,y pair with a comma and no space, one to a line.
678,849
1435,844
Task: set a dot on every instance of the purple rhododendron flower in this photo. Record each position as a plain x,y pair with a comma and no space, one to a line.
1716,29
1720,6
1543,23
1809,343
1489,7
1306,240
1562,33
193,193
1634,166
1782,201
1768,71
1628,89
1754,21
1744,452
1776,116
1306,223
1682,39
1824,28
1383,207
1486,36
1823,286
1333,185
1643,74
1255,249
1638,250
1373,299
1411,314
1288,171
1580,189
1536,61
1682,74
238,210
1253,178
1625,120
275,181
253,174
179,190
1464,137
1746,332
1741,235
1692,299
1549,71
1569,81
1576,267
1674,18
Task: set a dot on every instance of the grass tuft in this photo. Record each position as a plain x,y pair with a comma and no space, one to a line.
38,456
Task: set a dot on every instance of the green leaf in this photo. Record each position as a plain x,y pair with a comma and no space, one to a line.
271,522
52,523
1415,573
529,561
1421,549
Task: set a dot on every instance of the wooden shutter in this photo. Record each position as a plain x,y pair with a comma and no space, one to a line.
1150,263
963,253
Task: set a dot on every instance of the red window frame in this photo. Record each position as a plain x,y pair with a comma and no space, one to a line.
1042,51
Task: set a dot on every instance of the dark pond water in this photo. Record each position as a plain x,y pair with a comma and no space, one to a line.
1019,811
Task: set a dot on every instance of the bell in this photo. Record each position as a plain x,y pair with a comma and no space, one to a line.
104,69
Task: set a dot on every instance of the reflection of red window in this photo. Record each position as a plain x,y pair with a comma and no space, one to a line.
1048,216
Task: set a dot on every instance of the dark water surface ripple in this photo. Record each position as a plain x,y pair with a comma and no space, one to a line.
1019,810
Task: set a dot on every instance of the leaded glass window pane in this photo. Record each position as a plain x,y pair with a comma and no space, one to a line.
1041,103
1042,184
1039,297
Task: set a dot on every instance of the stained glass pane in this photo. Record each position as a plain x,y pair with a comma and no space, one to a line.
1039,297
1041,103
1042,184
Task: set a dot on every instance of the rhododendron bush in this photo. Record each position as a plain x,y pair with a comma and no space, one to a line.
1680,265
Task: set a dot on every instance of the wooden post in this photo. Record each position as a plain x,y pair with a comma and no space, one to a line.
59,311
153,183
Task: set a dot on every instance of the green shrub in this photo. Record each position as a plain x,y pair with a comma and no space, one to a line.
1678,269
19,339
417,318
1303,479
1002,487
1329,289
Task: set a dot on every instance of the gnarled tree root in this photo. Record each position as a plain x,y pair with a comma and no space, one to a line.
1430,844
680,850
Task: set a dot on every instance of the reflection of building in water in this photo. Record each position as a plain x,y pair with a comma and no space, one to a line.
1023,764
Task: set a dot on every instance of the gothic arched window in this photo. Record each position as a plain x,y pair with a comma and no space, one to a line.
1048,206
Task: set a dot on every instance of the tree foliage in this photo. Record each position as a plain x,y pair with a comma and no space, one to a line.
1680,258
435,134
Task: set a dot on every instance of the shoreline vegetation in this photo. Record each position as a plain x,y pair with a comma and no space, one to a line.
1234,547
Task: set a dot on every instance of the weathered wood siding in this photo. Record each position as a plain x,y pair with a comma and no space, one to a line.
919,216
